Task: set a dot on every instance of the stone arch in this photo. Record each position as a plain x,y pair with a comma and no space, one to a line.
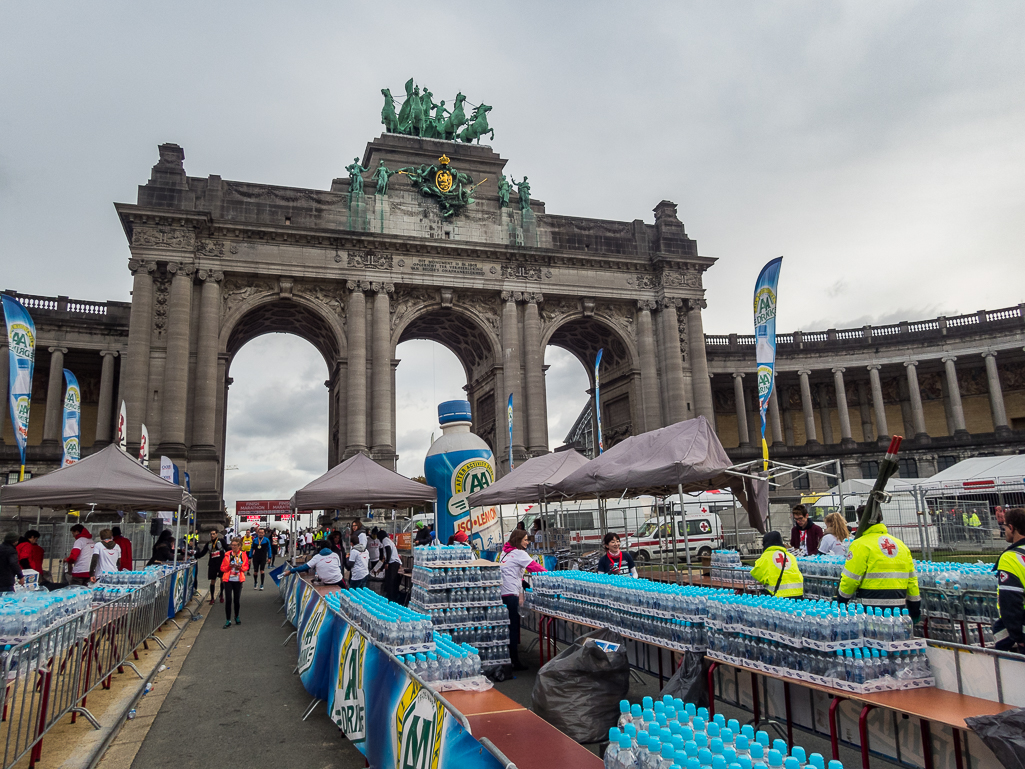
268,313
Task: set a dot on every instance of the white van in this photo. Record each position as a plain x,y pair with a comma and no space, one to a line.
654,540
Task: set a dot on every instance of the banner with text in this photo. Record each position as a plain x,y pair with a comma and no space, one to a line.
72,425
21,350
388,715
765,340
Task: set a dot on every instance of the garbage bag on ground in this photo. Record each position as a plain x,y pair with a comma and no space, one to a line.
579,691
690,681
1004,734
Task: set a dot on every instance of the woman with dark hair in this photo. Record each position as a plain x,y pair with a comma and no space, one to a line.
616,561
163,549
513,564
335,544
234,566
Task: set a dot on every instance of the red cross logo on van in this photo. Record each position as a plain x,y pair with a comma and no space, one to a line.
888,546
704,526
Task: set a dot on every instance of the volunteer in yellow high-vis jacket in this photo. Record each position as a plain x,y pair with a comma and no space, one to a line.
777,569
1008,631
880,572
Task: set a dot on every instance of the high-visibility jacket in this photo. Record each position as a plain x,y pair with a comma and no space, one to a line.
777,566
1008,631
247,543
964,518
881,572
974,521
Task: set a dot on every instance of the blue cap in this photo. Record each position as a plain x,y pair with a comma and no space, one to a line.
693,763
835,765
815,759
781,746
745,762
791,763
718,762
614,734
757,751
454,411
734,724
624,706
727,735
687,732
742,742
734,765
689,709
668,752
630,729
703,712
747,730
715,745
648,715
677,742
798,752
720,719
712,729
701,739
635,711
646,702
642,738
654,744
660,719
690,748
762,737
730,755
705,757
775,758
659,707
699,724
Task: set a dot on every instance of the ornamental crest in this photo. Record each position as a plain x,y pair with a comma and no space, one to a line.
449,186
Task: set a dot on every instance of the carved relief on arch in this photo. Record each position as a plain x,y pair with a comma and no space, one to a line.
164,237
406,300
555,309
330,295
236,291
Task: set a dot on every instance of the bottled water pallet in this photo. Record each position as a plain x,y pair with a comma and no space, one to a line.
663,642
896,646
425,586
806,643
490,623
421,648
629,608
427,608
878,685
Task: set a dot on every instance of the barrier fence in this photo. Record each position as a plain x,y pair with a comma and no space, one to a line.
51,675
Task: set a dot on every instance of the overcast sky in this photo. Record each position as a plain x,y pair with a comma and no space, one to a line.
878,146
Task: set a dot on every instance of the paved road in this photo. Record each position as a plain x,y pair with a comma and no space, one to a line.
236,703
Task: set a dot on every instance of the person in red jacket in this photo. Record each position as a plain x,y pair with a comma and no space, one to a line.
806,534
30,554
234,566
81,555
127,564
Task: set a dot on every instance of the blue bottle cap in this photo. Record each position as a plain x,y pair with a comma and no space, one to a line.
625,743
835,765
715,745
705,757
624,706
454,411
703,712
775,758
699,724
668,752
690,748
648,716
689,709
781,746
635,711
646,703
791,763
630,729
748,731
734,765
742,742
727,735
720,719
687,732
693,762
798,752
745,762
730,755
718,762
665,734
734,725
642,738
667,699
757,751
763,737
712,729
654,744
816,760
660,719
701,739
678,746
659,707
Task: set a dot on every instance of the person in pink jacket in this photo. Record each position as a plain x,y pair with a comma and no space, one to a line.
514,562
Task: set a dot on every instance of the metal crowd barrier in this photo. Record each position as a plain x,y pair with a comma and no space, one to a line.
50,675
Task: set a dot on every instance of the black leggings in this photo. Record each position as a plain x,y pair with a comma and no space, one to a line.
233,591
259,566
512,603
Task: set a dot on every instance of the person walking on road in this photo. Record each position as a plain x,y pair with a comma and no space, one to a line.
217,549
1008,631
513,564
234,566
358,563
260,554
880,572
777,569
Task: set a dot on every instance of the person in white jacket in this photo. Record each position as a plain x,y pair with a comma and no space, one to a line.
81,556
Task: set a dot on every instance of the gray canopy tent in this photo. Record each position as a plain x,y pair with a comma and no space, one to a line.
686,457
360,481
530,482
108,479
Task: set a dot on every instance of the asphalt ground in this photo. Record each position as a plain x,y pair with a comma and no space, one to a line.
236,702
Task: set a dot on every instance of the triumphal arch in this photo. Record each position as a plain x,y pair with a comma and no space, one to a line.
424,238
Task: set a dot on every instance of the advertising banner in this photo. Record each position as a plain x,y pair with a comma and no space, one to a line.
181,589
597,400
509,419
72,427
765,340
122,427
389,716
21,350
261,506
144,447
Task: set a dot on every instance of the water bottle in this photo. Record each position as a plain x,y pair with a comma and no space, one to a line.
625,757
775,759
651,758
799,753
816,760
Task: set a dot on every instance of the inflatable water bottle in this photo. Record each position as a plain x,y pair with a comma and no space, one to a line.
458,464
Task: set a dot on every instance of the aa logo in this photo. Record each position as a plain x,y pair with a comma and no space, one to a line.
418,721
308,642
470,476
290,603
179,590
22,341
350,701
765,305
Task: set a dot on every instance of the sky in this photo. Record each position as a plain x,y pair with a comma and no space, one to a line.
877,145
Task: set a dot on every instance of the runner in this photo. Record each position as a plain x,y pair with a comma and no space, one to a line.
217,549
247,545
273,546
234,566
261,554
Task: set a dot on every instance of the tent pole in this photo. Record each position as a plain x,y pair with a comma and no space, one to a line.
839,488
736,525
177,530
686,538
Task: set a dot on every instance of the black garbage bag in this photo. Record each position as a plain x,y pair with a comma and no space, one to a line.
690,681
1004,734
579,691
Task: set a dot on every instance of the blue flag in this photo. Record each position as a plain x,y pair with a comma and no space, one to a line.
21,345
72,426
597,400
510,415
765,341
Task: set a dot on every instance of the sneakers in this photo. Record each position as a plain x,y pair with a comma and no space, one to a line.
227,624
255,586
222,599
238,621
261,587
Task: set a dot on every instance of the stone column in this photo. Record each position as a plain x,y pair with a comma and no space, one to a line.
807,408
672,364
846,439
954,395
176,367
205,422
511,367
105,408
356,395
381,376
341,406
136,364
4,381
698,361
996,395
533,361
649,371
915,395
882,431
774,421
54,399
738,393
865,411
824,417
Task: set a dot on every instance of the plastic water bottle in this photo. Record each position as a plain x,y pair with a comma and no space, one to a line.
624,715
612,751
635,717
625,757
799,753
775,759
816,760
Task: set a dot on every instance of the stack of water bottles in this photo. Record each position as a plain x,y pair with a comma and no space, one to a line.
449,663
668,615
668,734
400,630
727,569
821,573
856,648
29,613
463,596
965,591
111,586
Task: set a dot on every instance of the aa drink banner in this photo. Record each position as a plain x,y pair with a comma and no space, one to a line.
72,421
765,340
21,346
510,415
181,589
144,447
386,713
122,428
597,400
